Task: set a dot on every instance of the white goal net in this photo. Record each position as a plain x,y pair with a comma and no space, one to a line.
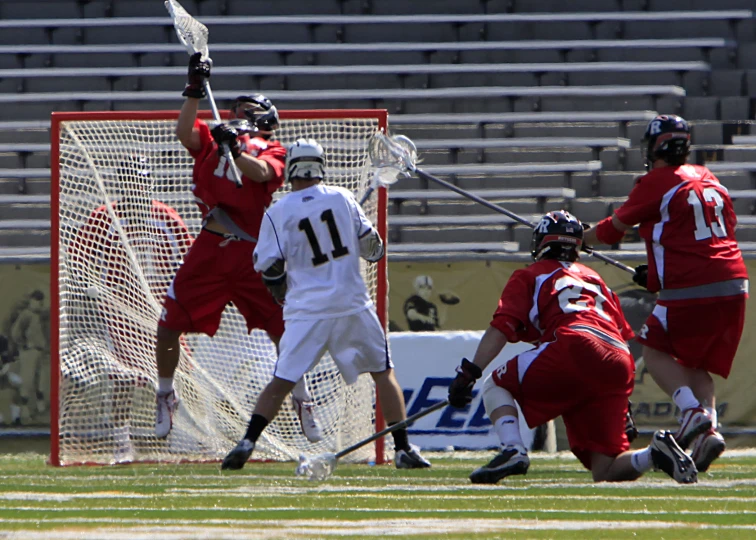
116,256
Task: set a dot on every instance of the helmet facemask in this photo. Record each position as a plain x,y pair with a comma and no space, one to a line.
261,113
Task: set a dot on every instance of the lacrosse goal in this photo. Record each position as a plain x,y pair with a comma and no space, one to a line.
114,259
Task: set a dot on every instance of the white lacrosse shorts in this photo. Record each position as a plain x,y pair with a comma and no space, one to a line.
357,344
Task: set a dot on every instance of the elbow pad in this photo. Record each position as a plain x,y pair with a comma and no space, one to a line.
275,280
371,246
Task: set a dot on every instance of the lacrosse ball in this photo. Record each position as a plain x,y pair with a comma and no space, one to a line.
93,292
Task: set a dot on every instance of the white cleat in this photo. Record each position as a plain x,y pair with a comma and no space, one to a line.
166,405
308,422
706,448
693,422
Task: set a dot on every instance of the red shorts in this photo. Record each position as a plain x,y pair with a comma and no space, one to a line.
699,336
581,378
217,271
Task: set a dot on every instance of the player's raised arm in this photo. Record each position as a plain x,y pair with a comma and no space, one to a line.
198,72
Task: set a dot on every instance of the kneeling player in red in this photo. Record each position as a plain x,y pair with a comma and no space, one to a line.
581,368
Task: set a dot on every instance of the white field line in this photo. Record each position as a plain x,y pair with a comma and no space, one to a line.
268,530
264,510
221,483
634,491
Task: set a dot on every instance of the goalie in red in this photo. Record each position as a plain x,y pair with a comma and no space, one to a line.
581,368
688,222
124,257
218,270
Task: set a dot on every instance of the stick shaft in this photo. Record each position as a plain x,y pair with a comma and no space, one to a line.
399,425
519,219
367,194
226,152
488,204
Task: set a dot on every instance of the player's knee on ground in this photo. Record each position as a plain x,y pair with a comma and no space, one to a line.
495,396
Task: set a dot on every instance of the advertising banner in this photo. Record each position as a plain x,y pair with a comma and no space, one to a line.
425,364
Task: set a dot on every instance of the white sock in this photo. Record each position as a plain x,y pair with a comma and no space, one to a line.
685,399
641,460
165,385
714,420
508,430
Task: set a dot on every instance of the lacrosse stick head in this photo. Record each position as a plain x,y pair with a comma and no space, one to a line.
391,157
190,32
317,468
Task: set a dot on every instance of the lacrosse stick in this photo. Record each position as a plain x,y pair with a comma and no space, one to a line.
322,466
193,36
386,176
399,154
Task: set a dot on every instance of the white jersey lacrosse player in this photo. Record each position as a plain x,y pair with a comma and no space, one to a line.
309,252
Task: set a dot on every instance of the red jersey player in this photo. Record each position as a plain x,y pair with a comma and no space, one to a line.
688,223
218,269
127,251
580,369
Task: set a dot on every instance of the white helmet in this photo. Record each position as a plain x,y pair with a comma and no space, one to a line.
423,282
305,160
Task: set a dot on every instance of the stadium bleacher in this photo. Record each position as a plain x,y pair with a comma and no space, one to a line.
538,104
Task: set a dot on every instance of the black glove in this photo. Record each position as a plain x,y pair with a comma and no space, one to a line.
225,134
641,275
630,430
199,71
460,390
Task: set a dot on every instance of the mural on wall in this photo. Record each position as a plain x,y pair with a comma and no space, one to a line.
24,345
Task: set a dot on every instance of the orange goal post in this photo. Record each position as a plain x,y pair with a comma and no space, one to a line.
114,260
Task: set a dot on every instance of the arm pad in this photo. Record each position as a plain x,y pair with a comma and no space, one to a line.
607,233
275,280
371,246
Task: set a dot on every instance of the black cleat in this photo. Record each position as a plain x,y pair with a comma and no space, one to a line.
410,459
237,457
667,456
512,460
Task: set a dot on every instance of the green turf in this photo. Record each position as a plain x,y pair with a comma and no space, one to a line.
265,500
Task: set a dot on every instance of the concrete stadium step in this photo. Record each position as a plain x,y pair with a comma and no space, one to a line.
21,237
18,211
37,186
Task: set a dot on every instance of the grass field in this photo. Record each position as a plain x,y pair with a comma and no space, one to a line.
265,501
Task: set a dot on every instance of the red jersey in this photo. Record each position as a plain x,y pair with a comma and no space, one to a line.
158,244
214,186
551,294
688,222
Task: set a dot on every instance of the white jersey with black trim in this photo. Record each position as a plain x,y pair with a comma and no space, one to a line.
316,231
